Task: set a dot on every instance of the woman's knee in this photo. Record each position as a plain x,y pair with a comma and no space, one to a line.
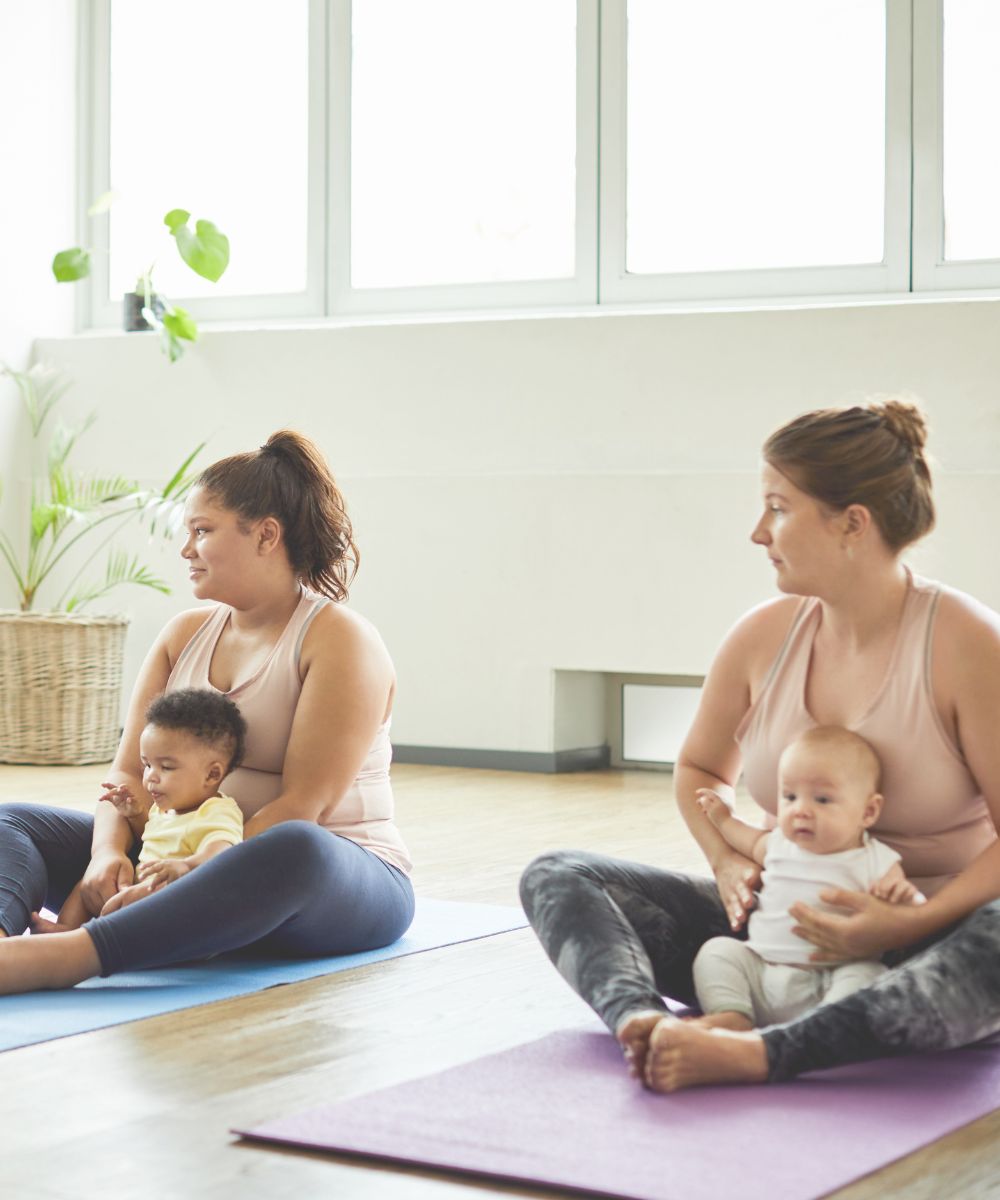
550,872
300,845
10,814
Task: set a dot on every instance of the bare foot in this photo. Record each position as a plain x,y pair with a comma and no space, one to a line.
633,1035
722,1020
29,964
40,924
683,1055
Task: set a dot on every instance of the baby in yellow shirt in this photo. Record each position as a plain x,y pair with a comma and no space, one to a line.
192,739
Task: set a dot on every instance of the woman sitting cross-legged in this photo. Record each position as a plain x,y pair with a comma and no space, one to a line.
858,641
322,869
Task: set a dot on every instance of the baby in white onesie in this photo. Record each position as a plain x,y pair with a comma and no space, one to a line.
828,782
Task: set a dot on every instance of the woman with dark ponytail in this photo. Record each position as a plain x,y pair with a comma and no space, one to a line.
856,640
322,869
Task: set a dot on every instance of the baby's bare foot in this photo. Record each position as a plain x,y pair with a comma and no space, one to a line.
633,1034
682,1054
40,924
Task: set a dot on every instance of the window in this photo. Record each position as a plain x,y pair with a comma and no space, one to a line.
736,160
399,155
957,164
210,108
456,177
463,153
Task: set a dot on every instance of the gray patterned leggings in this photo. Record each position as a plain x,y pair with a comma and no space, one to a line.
623,935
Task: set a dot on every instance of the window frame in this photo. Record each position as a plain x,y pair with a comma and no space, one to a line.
931,271
95,308
913,263
891,275
580,288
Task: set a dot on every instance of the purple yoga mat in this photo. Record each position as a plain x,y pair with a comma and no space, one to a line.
562,1112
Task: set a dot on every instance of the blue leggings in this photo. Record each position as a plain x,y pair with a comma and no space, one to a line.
296,890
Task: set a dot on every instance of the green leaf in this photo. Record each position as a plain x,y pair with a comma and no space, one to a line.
43,517
180,481
171,346
102,203
176,217
206,251
41,387
70,265
120,570
181,324
165,508
63,440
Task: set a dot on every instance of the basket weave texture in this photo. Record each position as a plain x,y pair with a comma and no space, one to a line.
60,687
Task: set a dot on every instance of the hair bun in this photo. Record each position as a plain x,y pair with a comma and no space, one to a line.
904,419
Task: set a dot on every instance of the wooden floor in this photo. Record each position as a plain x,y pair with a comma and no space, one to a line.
145,1108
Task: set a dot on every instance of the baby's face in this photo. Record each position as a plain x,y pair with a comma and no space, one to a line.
825,803
177,768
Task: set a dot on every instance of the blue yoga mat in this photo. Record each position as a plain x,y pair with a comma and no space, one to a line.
130,996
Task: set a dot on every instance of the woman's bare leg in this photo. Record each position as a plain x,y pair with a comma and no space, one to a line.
30,964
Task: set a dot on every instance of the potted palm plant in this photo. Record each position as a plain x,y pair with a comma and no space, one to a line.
62,667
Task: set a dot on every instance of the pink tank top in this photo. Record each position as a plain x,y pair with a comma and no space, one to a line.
267,701
934,813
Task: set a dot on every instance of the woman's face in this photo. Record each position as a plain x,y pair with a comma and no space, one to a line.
803,539
219,552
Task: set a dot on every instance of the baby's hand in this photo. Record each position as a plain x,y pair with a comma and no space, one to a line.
713,806
895,888
165,870
119,795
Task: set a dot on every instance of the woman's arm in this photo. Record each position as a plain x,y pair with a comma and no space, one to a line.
709,758
110,868
347,689
966,685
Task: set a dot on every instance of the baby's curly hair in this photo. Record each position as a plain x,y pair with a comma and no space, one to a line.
209,716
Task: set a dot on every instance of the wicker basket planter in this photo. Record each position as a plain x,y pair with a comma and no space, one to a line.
60,687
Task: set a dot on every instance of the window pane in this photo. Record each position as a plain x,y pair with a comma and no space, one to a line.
209,112
463,141
971,119
756,134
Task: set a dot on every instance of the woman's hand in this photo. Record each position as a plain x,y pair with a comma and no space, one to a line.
128,895
738,878
864,928
108,872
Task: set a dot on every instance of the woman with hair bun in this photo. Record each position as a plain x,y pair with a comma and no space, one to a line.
854,640
322,869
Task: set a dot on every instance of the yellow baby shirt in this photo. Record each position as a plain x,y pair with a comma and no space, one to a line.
177,835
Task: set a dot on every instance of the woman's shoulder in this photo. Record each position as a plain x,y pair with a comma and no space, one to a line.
762,630
180,629
749,649
964,625
339,631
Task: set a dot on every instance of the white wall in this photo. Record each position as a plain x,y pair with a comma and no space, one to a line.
562,492
37,206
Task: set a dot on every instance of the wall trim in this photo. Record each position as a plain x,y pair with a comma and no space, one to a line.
587,758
